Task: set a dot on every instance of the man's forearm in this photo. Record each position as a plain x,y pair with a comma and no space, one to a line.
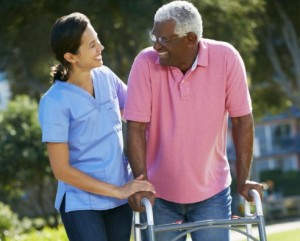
243,133
136,147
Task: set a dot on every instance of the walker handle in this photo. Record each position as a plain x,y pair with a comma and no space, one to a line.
258,205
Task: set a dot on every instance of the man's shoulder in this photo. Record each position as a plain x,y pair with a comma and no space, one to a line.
147,54
214,42
217,45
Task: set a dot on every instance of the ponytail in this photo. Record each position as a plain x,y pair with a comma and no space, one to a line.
59,72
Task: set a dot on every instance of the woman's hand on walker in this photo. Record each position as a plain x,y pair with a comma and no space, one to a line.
134,186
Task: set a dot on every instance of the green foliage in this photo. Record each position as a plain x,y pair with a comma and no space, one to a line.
10,225
288,184
235,22
21,149
269,97
8,222
25,172
24,43
122,27
25,27
268,101
46,234
284,182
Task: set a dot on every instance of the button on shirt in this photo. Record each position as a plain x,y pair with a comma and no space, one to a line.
93,130
187,116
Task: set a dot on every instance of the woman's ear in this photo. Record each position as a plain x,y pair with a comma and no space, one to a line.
69,57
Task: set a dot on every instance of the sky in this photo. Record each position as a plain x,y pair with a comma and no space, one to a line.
4,92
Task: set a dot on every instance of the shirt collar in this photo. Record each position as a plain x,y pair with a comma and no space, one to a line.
195,63
202,57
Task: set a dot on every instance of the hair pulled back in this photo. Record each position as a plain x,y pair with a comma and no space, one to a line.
65,36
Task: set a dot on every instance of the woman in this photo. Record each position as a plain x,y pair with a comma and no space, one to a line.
81,125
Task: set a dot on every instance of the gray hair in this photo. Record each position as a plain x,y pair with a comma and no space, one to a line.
185,15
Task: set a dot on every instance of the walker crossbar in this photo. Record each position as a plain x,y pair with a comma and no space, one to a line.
231,224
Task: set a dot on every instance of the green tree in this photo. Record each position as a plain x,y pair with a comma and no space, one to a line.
276,74
284,182
25,25
235,22
123,29
26,180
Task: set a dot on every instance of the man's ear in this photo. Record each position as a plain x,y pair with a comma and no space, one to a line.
192,38
69,57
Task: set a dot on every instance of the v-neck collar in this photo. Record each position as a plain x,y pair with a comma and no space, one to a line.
81,91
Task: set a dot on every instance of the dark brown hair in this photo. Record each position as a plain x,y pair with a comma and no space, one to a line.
65,36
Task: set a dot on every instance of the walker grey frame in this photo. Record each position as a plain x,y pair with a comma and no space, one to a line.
247,221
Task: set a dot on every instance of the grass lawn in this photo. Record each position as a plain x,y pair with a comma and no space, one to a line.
291,235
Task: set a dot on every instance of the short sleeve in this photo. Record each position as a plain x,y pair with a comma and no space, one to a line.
238,100
116,87
139,96
121,90
54,120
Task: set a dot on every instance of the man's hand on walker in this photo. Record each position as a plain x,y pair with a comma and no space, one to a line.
135,200
244,189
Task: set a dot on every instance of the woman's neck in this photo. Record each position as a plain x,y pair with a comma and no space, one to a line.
83,81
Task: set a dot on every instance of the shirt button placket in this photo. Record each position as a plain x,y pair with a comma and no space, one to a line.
184,90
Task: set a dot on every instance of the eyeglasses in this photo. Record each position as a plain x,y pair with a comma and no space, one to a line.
163,41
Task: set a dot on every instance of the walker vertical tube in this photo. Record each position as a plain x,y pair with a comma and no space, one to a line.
259,213
248,214
150,220
137,231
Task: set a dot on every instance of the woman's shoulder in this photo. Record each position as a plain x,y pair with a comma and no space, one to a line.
104,73
102,70
59,94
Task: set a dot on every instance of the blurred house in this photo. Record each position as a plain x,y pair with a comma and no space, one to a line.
276,145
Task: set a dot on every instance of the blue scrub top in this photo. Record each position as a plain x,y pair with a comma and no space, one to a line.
92,127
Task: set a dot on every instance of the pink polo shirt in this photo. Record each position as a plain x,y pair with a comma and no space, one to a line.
187,116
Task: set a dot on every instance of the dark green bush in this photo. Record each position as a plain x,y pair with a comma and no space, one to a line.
284,182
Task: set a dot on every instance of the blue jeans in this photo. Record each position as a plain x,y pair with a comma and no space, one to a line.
93,225
216,207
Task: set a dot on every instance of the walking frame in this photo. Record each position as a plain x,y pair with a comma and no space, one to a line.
235,224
